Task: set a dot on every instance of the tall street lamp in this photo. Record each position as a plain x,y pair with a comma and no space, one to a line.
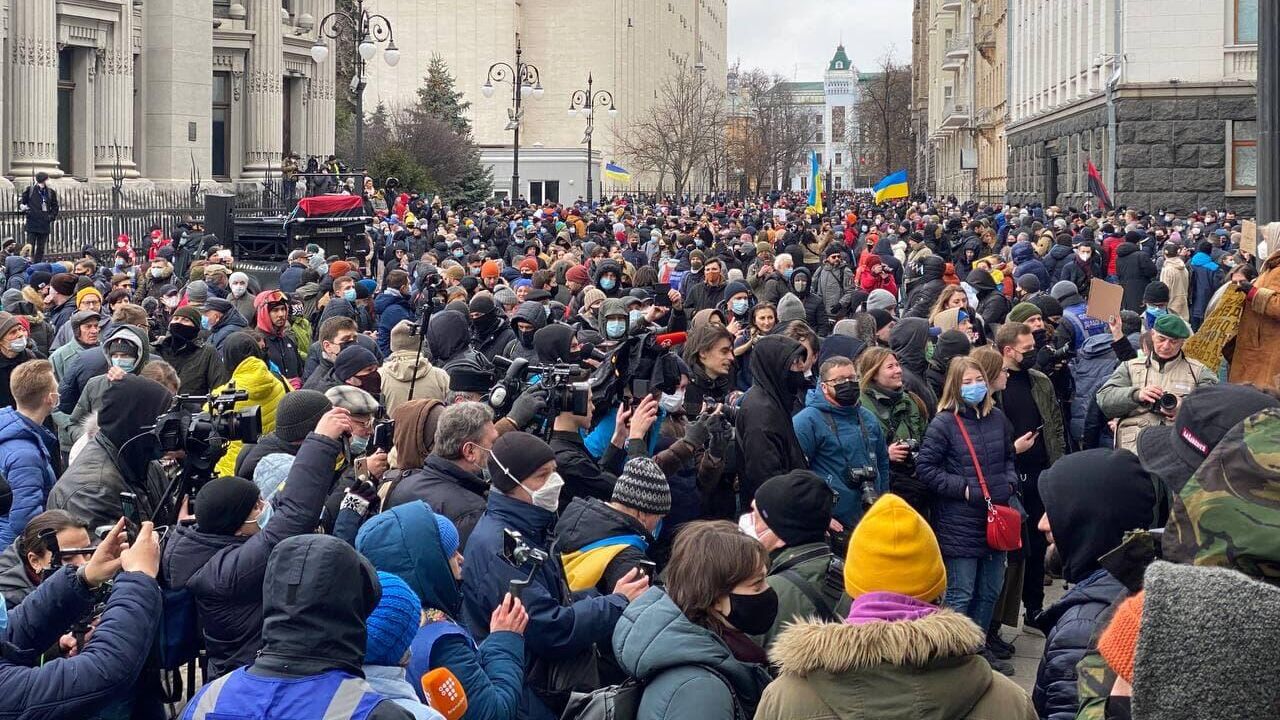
585,101
525,81
366,32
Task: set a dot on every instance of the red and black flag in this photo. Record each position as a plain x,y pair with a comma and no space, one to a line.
1096,187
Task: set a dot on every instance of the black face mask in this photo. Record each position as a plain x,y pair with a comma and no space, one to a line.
1041,336
753,614
526,337
1027,362
847,394
183,332
796,381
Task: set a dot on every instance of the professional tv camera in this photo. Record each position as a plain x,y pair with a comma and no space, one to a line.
565,393
202,435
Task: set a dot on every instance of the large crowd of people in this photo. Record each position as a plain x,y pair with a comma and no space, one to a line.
655,458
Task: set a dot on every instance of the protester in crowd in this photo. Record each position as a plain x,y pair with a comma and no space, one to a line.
28,450
25,562
390,629
897,652
1254,361
764,418
689,644
249,372
271,310
221,320
967,457
405,370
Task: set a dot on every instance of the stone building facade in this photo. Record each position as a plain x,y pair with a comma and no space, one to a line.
1159,94
943,31
629,48
157,91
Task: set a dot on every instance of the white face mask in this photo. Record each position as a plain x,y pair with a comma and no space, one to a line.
237,289
671,403
547,497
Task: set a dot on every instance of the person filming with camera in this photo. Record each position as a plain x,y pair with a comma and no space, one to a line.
222,558
1147,391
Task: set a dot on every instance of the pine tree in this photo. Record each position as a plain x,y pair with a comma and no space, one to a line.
437,98
476,184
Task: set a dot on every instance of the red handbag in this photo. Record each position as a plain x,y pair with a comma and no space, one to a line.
1004,524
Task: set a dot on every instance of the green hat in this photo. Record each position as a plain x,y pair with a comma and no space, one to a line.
1173,326
1023,311
1226,514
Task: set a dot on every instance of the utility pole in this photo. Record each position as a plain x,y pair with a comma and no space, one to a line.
1268,113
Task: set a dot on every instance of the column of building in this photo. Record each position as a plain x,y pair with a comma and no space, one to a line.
319,99
33,77
264,94
113,101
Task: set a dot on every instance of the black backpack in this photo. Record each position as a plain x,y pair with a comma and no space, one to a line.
622,702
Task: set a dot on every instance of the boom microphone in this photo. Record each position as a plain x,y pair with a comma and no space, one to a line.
670,340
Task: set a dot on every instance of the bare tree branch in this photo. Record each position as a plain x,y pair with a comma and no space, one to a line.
680,132
884,111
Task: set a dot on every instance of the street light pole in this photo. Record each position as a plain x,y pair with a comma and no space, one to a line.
525,80
1268,181
367,31
586,102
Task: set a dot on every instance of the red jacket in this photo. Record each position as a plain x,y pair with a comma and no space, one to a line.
1109,246
869,280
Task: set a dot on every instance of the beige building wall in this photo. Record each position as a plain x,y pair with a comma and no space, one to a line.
991,44
952,80
629,46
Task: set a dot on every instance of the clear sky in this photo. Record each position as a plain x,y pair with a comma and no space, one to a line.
796,38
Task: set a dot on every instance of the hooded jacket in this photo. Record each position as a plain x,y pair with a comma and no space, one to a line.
391,307
265,388
225,573
924,292
27,451
405,541
1206,276
493,334
766,436
1089,370
993,306
1026,262
925,668
814,313
868,280
535,315
1134,270
230,323
448,335
15,583
1092,499
1174,274
835,287
839,439
281,349
315,601
683,666
88,365
398,372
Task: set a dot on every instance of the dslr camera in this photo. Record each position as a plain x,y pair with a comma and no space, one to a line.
864,478
1166,404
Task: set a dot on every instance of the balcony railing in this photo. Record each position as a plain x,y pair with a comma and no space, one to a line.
1241,62
955,115
951,6
958,46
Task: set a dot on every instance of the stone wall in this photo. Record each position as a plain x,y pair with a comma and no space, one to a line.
1171,152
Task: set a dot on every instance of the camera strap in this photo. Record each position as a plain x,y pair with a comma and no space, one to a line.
866,440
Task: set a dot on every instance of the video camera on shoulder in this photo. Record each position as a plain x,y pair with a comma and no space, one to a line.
564,392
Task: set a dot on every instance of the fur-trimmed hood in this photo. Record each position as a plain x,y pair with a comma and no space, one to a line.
921,669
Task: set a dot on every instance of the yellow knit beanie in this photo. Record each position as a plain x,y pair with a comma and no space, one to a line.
894,550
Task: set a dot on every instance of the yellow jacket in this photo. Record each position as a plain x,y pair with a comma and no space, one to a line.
265,390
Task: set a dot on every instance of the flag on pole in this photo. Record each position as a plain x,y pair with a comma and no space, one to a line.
815,183
1097,188
616,173
891,187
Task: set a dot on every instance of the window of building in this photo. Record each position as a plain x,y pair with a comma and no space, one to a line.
839,182
839,159
1246,21
544,191
819,159
221,117
66,100
804,182
1242,140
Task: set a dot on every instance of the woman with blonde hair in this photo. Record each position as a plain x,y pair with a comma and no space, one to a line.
966,461
903,418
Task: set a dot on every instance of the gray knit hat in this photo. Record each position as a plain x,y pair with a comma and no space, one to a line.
643,486
881,299
197,292
298,413
505,296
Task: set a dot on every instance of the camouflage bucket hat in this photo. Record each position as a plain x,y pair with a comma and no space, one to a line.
1228,513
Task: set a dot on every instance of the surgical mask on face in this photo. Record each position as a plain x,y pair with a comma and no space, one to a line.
671,402
607,283
547,497
458,253
359,444
1156,312
18,345
238,289
157,272
170,302
204,321
739,306
615,329
787,273
1084,255
636,317
349,294
974,394
475,272
126,364
264,517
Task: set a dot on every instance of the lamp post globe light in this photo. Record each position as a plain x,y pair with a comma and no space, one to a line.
585,102
365,31
525,81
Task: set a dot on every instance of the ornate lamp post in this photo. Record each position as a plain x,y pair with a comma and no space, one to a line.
366,31
525,81
585,101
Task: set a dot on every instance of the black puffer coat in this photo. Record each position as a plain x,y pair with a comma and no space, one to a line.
766,438
924,293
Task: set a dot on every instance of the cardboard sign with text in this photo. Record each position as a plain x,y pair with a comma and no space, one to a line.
1249,237
1104,300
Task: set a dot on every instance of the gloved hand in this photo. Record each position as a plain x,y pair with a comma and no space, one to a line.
720,433
697,434
1244,286
362,498
528,406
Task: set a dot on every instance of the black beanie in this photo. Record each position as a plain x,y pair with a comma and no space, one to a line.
518,455
352,360
298,413
1048,304
224,504
796,506
1156,292
882,318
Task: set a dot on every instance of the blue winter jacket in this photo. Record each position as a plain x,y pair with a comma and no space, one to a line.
1024,257
405,541
1073,621
559,628
946,468
1206,276
26,452
1090,369
103,673
831,454
391,308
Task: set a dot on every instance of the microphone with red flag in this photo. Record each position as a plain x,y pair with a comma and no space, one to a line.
670,340
444,693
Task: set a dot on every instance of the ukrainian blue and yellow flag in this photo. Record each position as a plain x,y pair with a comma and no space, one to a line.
815,183
584,567
617,173
892,187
